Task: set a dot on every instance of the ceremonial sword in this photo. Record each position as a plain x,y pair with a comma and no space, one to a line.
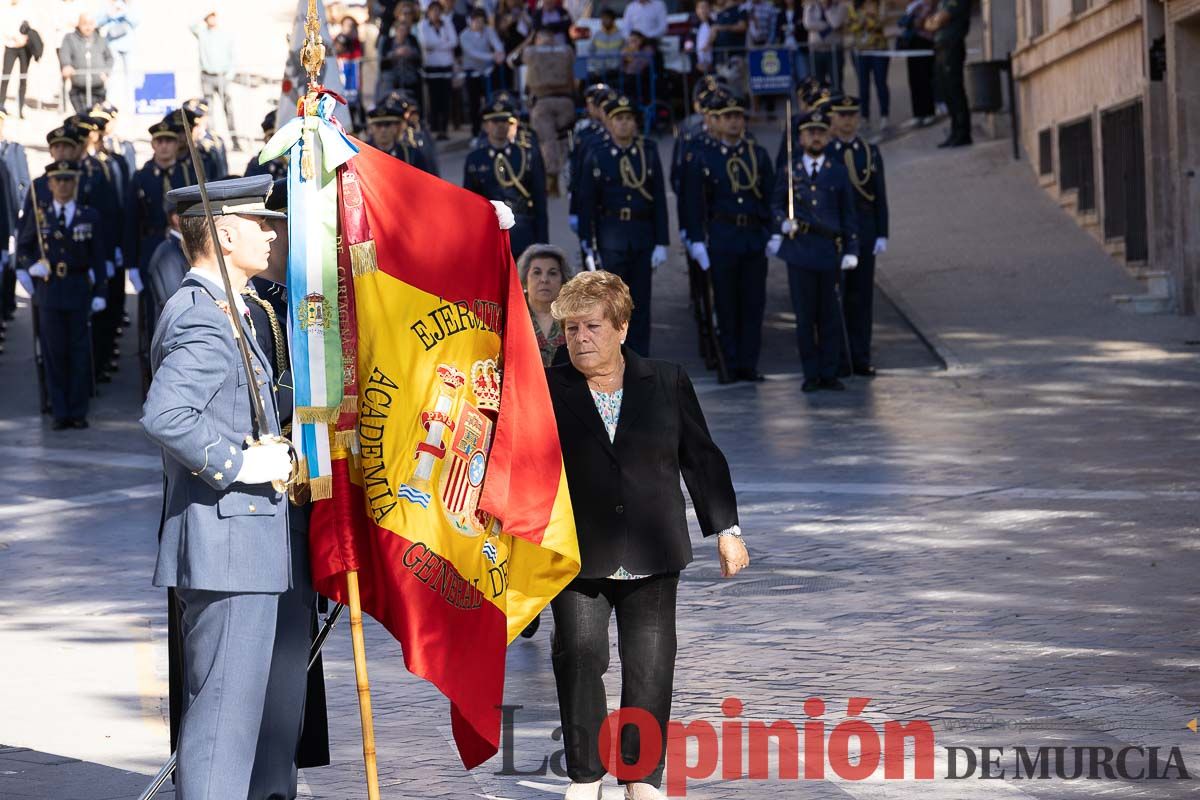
313,653
259,410
791,172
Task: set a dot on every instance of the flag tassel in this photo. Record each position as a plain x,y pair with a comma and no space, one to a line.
364,687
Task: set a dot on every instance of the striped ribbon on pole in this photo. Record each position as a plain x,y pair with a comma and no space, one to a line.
316,149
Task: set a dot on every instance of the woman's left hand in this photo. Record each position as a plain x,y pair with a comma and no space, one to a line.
733,554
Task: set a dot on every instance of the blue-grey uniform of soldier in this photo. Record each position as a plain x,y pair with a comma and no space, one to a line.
510,173
817,244
864,166
623,212
60,257
727,214
226,545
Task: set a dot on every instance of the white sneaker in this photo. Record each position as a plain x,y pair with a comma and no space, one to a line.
643,791
584,791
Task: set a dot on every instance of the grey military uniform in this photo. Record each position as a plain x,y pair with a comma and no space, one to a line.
226,549
218,535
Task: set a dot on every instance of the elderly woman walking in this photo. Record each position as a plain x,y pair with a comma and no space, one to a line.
629,427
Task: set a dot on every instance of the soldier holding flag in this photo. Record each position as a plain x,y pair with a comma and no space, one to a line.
225,544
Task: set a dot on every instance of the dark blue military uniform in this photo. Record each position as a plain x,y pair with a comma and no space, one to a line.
727,205
147,220
405,146
824,209
587,136
864,166
514,175
75,256
623,217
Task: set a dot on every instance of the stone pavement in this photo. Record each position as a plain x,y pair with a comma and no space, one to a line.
1005,549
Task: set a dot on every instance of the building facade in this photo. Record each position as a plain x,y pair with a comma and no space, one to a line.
1111,125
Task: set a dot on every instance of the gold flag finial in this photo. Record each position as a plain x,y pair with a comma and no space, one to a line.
312,55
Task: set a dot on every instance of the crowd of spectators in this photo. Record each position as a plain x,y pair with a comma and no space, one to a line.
455,54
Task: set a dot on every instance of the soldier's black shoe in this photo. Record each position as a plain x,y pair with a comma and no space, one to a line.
865,371
752,375
103,377
531,628
810,385
833,383
80,423
60,424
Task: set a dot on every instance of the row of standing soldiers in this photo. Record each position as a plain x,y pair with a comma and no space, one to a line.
733,207
90,222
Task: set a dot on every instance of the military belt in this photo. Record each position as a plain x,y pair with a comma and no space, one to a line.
629,215
738,220
806,228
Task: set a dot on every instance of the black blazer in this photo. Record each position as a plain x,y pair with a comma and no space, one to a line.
629,509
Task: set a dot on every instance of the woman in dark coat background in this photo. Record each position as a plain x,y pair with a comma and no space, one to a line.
629,427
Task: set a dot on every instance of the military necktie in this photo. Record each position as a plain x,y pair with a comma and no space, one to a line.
62,217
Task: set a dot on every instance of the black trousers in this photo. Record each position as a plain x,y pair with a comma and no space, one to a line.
819,332
8,292
646,645
920,80
65,348
19,55
858,304
633,267
477,91
740,297
438,82
948,63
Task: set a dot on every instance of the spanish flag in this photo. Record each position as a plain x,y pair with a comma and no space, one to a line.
449,495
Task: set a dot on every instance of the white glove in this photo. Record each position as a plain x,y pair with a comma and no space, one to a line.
573,222
25,281
109,269
264,463
98,304
773,245
699,252
120,257
589,262
881,245
658,257
788,226
504,215
39,269
135,277
849,262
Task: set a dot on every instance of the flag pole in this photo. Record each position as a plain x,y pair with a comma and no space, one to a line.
364,686
312,58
